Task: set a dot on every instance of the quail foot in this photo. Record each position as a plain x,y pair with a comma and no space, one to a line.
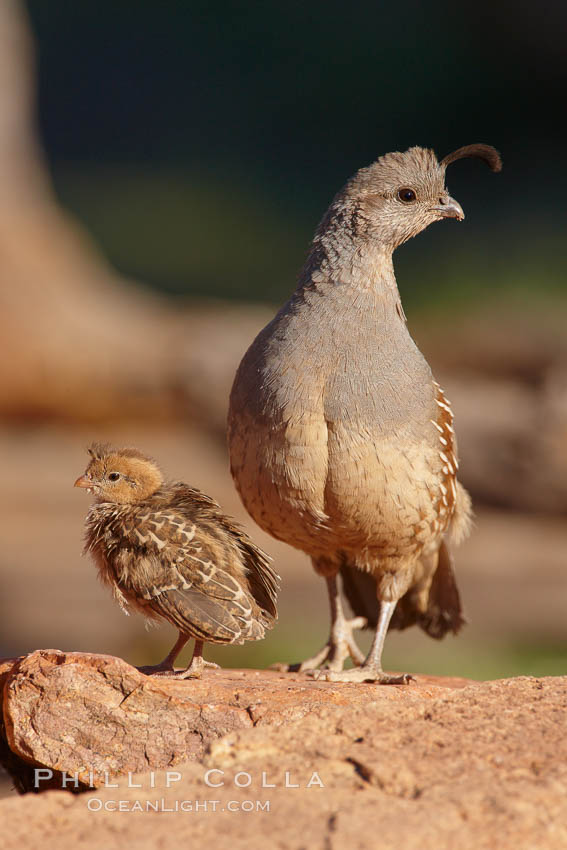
341,441
168,551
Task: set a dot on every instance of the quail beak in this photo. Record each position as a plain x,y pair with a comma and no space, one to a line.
84,482
448,207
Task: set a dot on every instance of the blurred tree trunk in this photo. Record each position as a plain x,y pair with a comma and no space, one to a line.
78,341
22,173
74,343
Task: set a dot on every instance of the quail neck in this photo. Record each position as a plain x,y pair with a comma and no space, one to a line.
381,207
345,320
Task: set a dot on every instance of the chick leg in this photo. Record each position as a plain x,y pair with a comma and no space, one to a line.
341,643
371,669
197,665
165,667
193,671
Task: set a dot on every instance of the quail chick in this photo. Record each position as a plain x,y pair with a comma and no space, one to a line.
341,442
167,550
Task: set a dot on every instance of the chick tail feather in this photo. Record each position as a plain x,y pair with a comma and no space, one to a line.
443,613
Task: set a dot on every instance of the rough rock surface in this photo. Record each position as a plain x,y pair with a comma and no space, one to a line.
96,716
437,764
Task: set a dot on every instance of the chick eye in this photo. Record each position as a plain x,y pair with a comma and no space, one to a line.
408,196
114,476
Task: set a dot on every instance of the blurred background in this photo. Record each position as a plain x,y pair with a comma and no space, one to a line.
162,169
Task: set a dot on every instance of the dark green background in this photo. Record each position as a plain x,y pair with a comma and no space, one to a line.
201,142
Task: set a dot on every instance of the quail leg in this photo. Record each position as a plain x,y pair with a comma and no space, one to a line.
341,643
371,669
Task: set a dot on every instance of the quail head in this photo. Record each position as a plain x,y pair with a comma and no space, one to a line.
341,442
168,551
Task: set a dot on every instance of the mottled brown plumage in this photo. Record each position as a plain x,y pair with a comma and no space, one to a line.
341,442
168,551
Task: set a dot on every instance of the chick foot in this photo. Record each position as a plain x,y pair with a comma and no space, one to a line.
166,669
162,669
194,671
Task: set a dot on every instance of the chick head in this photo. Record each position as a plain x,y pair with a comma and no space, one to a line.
119,475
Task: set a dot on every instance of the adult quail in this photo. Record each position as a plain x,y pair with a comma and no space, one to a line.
168,550
341,442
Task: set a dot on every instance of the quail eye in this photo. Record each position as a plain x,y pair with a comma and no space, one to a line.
114,476
408,196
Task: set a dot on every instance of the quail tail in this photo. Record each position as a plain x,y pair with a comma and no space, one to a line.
443,612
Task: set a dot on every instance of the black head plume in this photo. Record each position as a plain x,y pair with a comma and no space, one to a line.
485,152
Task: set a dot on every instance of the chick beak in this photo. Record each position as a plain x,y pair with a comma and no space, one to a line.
448,207
83,481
